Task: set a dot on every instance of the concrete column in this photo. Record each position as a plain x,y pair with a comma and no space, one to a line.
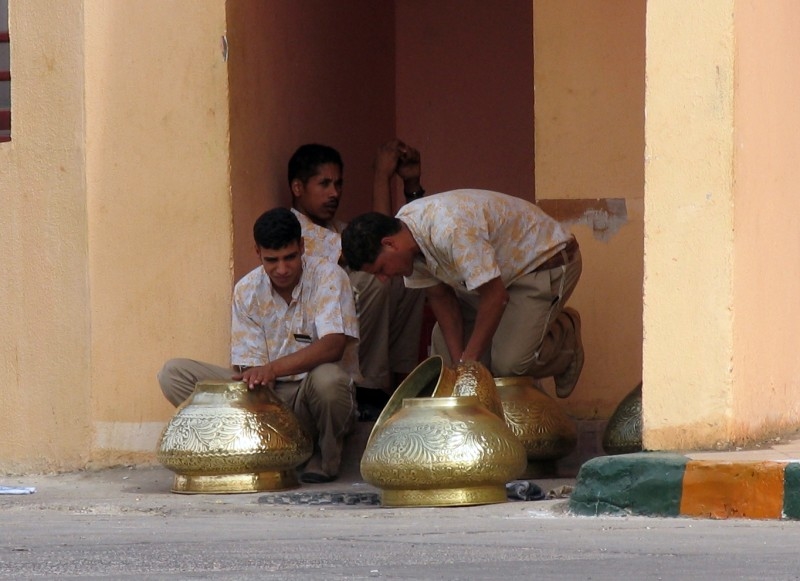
689,213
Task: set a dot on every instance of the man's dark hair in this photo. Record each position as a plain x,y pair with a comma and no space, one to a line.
361,239
276,229
308,158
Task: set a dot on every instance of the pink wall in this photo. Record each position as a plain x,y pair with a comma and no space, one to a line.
455,76
305,71
465,92
766,266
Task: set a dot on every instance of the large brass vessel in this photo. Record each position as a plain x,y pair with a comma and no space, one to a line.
545,430
442,451
227,439
623,433
473,378
429,377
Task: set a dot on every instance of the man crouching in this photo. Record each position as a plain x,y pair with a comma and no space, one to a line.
294,330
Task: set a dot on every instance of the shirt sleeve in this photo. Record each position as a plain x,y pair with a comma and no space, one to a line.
248,340
335,307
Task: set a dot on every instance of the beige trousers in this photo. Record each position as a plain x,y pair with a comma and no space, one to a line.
534,336
324,402
389,322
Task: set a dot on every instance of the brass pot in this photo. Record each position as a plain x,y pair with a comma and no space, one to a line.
623,433
227,439
473,378
545,430
442,451
429,377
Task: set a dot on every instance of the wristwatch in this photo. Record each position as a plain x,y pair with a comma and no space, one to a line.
415,195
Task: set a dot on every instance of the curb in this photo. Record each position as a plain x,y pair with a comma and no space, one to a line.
666,484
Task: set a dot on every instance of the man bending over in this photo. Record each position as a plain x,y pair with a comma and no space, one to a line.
497,271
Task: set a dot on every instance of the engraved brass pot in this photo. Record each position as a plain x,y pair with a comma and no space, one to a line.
545,430
429,377
442,451
473,378
227,439
623,433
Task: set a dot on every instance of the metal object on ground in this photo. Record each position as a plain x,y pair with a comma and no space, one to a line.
545,430
473,378
430,376
442,451
227,439
623,434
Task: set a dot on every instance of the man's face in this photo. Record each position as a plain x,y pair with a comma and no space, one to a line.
284,267
318,198
391,262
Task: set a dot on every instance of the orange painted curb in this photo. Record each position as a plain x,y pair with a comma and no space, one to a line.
733,489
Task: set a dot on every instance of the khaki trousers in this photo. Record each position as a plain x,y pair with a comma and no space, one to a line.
534,337
324,402
389,324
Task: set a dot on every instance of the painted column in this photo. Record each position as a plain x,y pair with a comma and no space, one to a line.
689,211
115,234
45,341
159,208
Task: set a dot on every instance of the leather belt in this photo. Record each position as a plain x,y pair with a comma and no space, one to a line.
563,256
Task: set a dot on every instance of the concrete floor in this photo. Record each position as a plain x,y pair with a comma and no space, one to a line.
123,523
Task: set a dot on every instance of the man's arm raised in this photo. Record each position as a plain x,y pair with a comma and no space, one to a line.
395,157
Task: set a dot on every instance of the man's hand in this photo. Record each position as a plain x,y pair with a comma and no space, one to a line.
394,158
409,166
387,159
255,376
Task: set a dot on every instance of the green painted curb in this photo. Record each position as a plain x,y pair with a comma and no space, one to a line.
643,483
791,491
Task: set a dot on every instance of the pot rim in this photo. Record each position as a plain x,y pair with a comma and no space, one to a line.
221,385
525,381
413,385
442,402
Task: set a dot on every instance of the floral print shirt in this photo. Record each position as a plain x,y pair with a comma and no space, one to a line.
321,242
264,327
469,237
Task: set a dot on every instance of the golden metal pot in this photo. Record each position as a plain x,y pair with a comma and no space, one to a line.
429,377
473,378
545,430
227,439
442,451
623,433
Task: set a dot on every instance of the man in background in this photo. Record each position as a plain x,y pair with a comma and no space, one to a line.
389,315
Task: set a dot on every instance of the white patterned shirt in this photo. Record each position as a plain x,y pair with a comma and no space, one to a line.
323,242
264,328
469,237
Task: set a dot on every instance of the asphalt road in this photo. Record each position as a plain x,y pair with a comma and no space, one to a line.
124,524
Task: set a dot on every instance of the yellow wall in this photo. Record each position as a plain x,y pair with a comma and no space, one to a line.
158,205
766,282
722,236
117,230
45,342
589,131
689,235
